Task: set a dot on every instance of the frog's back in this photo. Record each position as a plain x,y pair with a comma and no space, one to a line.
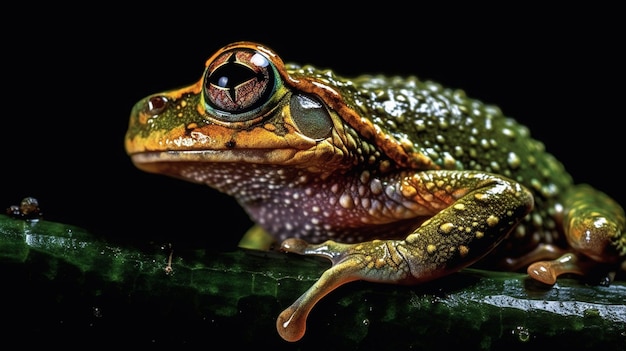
456,132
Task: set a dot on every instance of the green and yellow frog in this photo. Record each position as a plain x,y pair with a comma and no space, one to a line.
393,179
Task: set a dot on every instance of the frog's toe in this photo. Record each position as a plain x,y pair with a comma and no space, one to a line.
329,249
540,253
547,272
291,323
294,245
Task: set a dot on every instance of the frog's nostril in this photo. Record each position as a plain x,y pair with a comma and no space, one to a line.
154,105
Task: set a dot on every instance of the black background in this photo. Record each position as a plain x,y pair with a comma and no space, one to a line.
71,77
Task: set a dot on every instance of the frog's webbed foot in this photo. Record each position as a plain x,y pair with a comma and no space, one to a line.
548,271
594,226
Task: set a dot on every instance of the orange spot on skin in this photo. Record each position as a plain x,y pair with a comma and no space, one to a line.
463,250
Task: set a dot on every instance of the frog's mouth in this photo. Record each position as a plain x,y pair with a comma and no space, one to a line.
147,160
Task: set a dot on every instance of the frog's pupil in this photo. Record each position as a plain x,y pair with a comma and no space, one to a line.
230,75
238,81
233,75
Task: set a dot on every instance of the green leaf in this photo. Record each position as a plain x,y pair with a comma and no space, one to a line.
63,285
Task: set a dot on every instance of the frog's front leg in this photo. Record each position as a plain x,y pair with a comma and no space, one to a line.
468,213
595,228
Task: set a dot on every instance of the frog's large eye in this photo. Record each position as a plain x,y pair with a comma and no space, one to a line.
238,84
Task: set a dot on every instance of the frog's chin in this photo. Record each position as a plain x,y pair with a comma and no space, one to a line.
149,161
218,168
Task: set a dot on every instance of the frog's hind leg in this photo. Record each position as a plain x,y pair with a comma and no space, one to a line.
594,225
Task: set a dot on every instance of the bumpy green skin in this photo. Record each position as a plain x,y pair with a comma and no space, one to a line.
460,133
172,118
65,284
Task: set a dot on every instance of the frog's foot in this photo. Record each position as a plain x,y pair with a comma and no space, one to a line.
594,272
541,252
594,226
548,271
373,261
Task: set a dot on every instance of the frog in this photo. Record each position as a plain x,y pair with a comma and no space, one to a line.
392,178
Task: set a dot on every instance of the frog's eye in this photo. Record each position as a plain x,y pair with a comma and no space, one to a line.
238,84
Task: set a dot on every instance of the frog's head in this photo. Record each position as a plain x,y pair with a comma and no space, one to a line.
249,108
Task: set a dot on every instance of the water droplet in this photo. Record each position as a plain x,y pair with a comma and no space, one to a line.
591,312
97,312
366,322
523,334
